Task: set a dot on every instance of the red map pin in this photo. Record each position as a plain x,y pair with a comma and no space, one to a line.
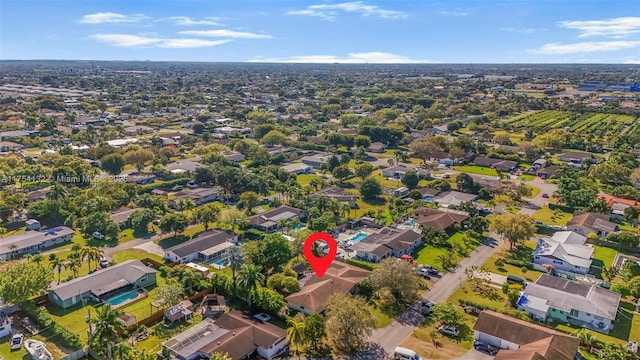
320,264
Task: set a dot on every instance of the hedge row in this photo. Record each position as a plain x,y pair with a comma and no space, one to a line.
361,264
503,310
42,318
164,184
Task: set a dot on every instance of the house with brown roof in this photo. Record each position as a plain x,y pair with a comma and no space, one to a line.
6,146
498,164
575,158
340,278
121,215
377,147
522,340
548,171
269,220
234,333
585,223
387,242
439,219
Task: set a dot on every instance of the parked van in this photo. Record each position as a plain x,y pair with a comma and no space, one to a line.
406,354
516,280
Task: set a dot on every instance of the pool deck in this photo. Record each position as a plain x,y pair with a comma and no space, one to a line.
142,293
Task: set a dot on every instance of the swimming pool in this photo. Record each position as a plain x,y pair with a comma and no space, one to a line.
121,298
358,237
410,222
219,262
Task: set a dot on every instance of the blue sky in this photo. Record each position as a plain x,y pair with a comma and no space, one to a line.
392,31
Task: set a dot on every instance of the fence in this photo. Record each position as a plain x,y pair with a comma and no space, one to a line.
616,246
158,315
78,354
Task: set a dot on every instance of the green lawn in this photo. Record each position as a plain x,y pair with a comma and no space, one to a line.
526,177
603,256
427,254
552,217
534,191
475,169
46,337
305,179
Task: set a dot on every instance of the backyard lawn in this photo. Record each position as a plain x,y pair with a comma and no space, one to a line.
475,169
428,254
552,217
305,179
7,354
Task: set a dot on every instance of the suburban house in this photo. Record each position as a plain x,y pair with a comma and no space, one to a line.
141,178
234,333
443,158
208,246
199,196
575,157
547,172
618,205
569,237
32,224
14,246
439,219
428,193
377,147
488,182
298,168
233,156
585,223
395,171
121,216
519,339
401,191
340,278
572,258
337,193
440,130
556,298
8,146
268,220
453,198
316,160
498,164
183,166
103,284
387,242
540,163
181,311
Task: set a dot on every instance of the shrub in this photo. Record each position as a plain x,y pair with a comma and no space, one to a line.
361,264
42,318
164,270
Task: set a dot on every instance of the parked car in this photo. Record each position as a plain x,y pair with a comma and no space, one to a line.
485,348
516,280
449,330
262,317
471,310
427,303
16,341
433,271
426,310
545,195
98,235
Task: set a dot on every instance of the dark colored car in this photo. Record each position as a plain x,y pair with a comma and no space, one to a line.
472,310
485,348
516,280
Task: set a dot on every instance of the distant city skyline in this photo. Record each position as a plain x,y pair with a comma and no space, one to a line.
409,31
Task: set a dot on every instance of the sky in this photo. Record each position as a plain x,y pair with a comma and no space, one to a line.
323,31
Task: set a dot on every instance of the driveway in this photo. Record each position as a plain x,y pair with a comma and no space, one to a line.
395,333
150,247
535,203
474,354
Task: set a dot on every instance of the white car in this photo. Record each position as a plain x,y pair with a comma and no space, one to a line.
449,330
262,317
98,235
16,341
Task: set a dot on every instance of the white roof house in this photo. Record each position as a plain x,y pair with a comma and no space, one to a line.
564,257
121,142
569,237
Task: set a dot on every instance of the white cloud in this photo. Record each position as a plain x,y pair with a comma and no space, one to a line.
454,13
136,41
190,43
351,58
615,28
330,11
110,17
521,30
226,34
187,21
585,47
632,61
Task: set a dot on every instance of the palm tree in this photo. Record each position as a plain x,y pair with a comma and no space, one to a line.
190,281
345,209
37,258
13,248
106,327
123,351
587,339
73,263
249,277
57,192
90,253
57,264
296,335
220,356
234,259
76,248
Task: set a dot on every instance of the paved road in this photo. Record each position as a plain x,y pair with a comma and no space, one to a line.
386,339
538,201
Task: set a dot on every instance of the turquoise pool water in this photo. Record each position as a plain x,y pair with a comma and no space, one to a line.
358,237
410,222
119,299
219,262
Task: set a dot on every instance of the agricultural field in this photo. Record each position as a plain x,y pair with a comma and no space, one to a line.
599,125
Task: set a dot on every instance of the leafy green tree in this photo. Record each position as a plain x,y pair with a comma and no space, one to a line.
612,351
440,184
140,220
423,148
410,179
465,183
341,172
249,277
220,356
113,163
91,253
349,323
514,227
364,170
634,287
399,277
274,137
315,331
478,224
296,334
233,218
362,141
631,214
207,214
620,288
609,273
270,254
248,200
176,222
139,157
21,280
283,284
171,293
448,314
268,300
629,270
370,188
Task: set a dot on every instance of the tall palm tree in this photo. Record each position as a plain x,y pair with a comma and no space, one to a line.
105,327
76,248
57,264
123,350
90,253
345,209
73,263
249,277
296,335
235,260
37,258
190,281
57,192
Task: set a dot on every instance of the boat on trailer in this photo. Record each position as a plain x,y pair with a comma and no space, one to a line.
37,350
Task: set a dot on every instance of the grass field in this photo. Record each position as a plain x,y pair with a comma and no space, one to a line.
552,217
305,179
427,254
475,169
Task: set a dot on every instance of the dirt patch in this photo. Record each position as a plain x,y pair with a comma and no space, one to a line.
446,350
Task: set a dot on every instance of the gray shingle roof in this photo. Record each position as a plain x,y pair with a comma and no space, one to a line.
204,241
